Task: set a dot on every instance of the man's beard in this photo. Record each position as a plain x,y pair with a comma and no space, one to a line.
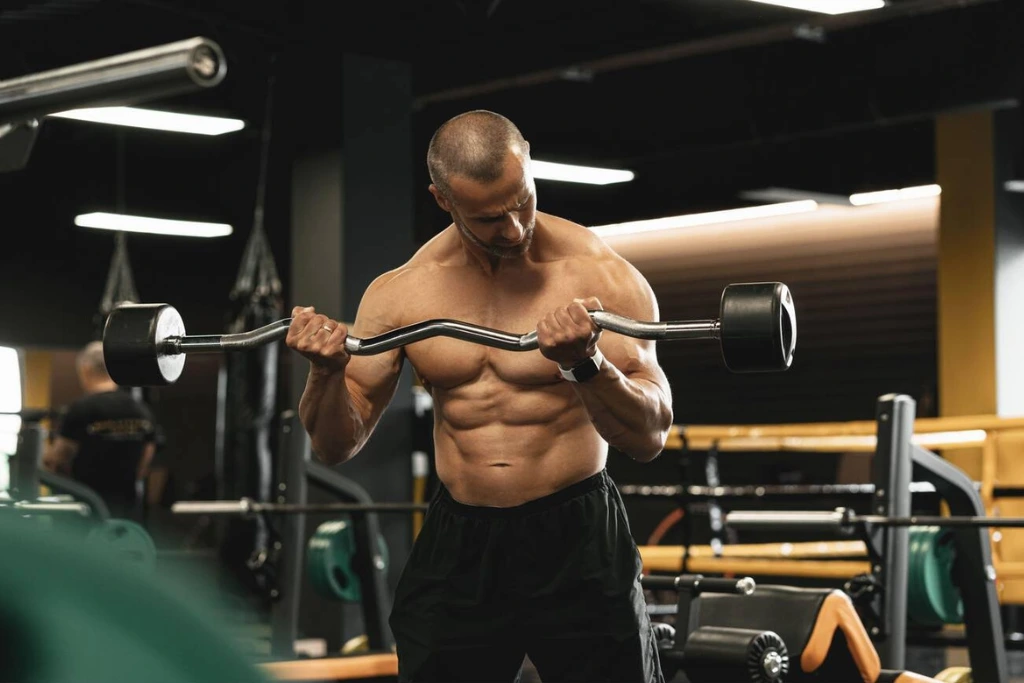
512,251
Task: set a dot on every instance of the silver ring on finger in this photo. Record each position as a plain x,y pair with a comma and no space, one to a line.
318,331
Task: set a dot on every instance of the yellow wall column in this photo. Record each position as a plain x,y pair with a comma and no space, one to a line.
38,372
981,299
966,265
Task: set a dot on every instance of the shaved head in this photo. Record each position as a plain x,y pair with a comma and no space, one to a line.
473,145
90,360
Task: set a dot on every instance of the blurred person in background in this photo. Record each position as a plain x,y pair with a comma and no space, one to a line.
106,439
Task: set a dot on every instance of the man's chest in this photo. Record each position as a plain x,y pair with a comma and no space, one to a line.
509,305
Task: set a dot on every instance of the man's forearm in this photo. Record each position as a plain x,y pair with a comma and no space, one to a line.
633,416
50,463
142,471
57,457
332,420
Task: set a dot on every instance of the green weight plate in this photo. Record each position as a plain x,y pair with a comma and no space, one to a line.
948,599
315,569
932,598
70,610
329,554
129,542
920,607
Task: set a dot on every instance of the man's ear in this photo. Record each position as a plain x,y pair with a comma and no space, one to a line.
441,200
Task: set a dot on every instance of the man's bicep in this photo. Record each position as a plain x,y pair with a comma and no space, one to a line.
65,446
372,381
635,358
634,298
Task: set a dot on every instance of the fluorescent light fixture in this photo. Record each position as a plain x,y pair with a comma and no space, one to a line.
1014,185
156,226
786,194
710,218
827,6
547,170
865,198
155,120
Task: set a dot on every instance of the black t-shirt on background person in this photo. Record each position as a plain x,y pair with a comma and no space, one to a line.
111,429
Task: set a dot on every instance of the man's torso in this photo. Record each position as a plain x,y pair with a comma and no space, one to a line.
508,428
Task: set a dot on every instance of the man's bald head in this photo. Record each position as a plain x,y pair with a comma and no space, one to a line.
90,359
92,370
474,145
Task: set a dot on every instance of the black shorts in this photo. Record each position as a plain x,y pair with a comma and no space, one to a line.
557,578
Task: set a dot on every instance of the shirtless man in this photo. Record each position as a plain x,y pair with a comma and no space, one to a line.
526,548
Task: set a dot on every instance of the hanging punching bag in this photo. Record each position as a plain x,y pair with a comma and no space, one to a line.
248,405
120,286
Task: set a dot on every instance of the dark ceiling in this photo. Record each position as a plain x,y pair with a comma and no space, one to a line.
703,99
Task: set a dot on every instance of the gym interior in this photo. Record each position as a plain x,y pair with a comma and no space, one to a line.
826,198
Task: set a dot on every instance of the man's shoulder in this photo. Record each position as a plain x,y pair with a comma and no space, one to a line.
396,285
611,277
579,243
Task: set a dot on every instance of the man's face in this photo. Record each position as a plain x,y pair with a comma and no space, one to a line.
497,217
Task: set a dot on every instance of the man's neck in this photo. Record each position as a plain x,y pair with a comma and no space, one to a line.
491,264
488,262
100,387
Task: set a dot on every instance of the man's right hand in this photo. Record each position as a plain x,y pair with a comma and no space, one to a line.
319,339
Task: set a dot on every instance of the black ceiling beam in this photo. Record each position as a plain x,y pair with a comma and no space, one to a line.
704,46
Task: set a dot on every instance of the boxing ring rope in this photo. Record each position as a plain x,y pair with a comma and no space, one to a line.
831,559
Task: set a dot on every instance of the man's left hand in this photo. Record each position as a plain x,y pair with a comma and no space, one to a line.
567,335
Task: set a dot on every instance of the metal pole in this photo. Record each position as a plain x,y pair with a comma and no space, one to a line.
123,79
77,490
24,464
369,565
508,341
284,617
973,571
891,472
